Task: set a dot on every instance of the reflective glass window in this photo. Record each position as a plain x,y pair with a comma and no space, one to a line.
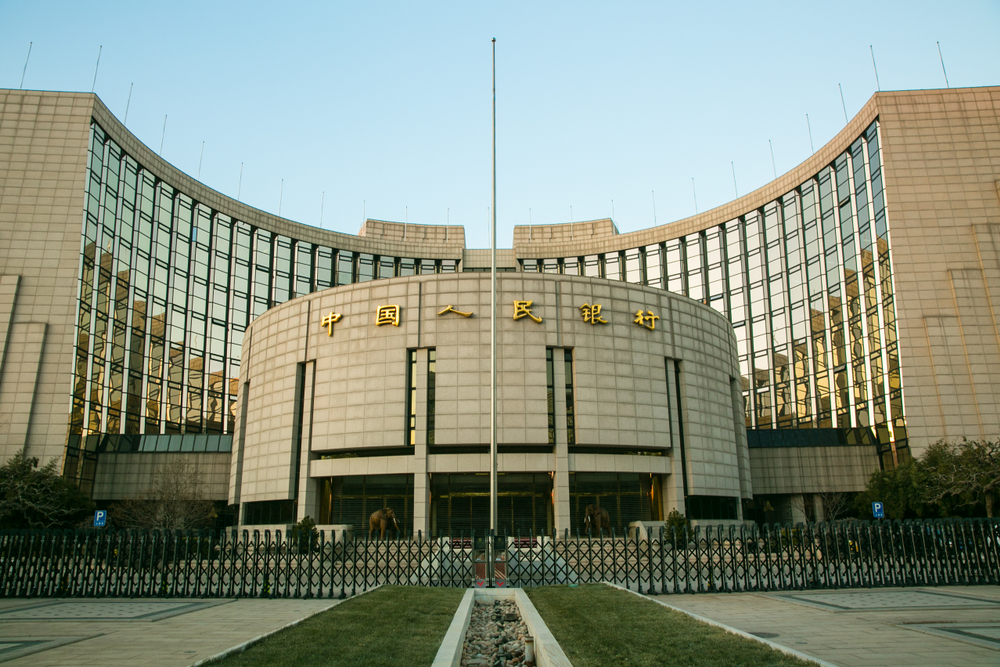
613,266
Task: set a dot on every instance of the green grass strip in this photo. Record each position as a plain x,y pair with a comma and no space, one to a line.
597,625
390,627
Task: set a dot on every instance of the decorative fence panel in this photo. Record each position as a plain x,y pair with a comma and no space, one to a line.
208,564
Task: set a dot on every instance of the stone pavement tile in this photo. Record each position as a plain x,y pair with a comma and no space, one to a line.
175,641
851,630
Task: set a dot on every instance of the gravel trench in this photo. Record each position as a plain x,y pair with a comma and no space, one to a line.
495,637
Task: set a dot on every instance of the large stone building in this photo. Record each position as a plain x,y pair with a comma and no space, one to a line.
606,391
146,318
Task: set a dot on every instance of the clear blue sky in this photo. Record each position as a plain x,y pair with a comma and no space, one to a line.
385,107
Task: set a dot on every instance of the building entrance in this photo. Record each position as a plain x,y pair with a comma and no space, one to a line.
461,503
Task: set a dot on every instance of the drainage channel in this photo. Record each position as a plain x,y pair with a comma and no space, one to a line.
497,636
499,628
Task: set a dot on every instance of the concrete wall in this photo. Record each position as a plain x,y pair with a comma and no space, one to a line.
941,151
43,160
779,470
121,475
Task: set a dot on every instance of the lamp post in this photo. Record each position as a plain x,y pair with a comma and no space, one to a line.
493,318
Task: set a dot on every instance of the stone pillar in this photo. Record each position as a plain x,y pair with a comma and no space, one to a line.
673,489
308,496
673,492
421,485
817,500
561,509
797,504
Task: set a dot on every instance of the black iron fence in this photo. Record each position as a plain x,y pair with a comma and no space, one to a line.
97,563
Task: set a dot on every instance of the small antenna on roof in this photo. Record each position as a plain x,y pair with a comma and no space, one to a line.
875,67
96,67
21,87
946,84
128,103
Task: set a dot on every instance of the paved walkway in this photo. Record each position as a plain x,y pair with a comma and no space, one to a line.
911,627
112,633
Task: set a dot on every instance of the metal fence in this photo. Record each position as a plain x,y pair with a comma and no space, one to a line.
97,563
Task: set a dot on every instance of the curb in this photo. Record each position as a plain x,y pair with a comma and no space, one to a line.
450,652
740,633
239,648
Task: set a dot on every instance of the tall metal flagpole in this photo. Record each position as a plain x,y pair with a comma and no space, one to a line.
493,316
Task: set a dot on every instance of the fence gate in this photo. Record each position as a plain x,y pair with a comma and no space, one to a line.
102,563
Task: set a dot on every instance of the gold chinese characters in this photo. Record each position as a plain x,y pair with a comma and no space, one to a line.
592,313
328,322
648,320
523,309
387,315
449,309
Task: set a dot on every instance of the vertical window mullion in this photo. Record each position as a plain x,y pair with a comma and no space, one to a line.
550,393
431,380
411,398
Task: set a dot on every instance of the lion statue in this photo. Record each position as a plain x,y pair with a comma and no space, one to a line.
380,520
597,519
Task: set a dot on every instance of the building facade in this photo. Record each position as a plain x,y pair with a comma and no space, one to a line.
860,287
378,394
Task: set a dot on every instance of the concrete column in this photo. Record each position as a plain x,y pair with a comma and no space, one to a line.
239,440
308,498
22,360
421,483
673,484
797,503
817,500
742,452
673,490
561,508
8,295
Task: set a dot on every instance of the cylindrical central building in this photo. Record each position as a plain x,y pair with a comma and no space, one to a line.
377,395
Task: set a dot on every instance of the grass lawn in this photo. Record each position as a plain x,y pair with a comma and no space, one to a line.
390,627
597,626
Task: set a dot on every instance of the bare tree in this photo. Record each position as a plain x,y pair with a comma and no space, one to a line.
835,504
174,502
967,472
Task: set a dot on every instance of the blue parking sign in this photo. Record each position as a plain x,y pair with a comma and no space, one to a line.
878,510
100,518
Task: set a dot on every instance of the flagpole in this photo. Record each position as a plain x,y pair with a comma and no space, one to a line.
493,316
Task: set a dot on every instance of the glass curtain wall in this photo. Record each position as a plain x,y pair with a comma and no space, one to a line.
167,288
806,281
